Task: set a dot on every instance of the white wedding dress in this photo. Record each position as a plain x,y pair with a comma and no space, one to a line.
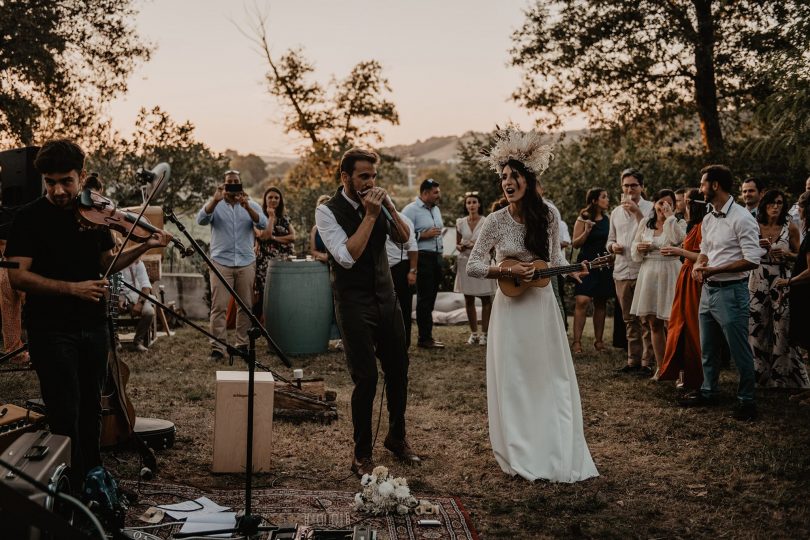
535,415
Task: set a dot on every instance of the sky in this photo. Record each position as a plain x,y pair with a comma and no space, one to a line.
446,61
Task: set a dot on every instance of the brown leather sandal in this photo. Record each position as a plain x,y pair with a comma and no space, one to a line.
576,348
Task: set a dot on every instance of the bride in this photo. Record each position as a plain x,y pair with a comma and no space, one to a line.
535,415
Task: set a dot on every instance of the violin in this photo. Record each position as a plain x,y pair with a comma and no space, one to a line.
96,210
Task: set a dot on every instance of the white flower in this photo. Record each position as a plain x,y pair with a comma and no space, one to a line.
402,492
380,472
366,480
358,499
373,478
385,489
402,509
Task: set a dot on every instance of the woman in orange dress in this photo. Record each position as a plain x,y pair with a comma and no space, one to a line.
682,351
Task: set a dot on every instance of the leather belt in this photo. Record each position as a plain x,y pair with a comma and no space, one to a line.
726,283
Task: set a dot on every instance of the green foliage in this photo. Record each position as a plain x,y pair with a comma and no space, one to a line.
157,138
61,61
619,61
338,120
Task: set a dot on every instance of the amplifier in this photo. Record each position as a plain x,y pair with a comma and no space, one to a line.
14,421
46,458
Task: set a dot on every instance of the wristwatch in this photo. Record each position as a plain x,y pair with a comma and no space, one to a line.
412,270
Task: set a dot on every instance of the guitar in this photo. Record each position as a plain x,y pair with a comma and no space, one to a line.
515,286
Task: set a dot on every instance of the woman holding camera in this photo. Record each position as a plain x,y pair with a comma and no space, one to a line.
274,241
590,236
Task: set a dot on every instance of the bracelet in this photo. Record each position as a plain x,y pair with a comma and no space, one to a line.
412,270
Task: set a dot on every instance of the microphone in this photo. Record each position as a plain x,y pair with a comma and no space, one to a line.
385,211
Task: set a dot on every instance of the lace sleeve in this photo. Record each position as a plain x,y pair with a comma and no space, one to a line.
478,263
554,252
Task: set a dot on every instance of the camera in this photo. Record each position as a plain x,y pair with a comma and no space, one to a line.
233,188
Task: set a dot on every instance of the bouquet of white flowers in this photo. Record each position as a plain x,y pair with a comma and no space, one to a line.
383,494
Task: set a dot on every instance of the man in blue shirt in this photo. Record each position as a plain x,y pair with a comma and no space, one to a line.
232,216
427,221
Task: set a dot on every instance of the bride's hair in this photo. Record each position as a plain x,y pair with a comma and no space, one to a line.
535,213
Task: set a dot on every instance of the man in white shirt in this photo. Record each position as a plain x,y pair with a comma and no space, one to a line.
728,252
752,190
354,229
403,260
624,221
135,275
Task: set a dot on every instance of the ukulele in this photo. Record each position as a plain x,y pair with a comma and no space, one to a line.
515,286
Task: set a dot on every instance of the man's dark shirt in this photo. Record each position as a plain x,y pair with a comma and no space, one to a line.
59,250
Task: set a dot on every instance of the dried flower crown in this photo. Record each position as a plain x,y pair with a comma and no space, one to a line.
528,148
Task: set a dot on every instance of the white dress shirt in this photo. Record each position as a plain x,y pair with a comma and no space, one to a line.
333,235
398,253
729,237
136,276
623,227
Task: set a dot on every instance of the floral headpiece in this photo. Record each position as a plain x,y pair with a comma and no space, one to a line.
528,148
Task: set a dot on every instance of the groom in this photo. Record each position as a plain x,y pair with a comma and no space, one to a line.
366,308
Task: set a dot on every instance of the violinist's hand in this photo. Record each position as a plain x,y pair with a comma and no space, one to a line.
91,290
159,239
219,194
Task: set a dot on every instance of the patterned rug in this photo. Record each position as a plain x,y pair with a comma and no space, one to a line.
331,509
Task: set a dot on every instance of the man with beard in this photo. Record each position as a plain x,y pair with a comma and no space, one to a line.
728,251
366,308
61,267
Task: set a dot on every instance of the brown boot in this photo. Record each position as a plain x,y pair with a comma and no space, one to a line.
362,465
402,450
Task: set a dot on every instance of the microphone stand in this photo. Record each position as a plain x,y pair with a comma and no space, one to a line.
248,524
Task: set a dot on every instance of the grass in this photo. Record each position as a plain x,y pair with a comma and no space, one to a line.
666,472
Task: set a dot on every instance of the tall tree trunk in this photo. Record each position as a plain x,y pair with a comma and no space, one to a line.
705,84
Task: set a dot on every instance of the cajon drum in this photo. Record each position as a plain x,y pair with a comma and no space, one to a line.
230,422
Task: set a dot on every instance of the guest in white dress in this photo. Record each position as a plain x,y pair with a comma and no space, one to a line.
535,415
658,275
467,229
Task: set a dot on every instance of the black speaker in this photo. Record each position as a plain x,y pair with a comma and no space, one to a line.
19,180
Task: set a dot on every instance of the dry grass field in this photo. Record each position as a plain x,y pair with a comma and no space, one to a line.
665,472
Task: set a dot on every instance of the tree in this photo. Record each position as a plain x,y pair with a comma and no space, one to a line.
619,60
196,170
61,61
338,121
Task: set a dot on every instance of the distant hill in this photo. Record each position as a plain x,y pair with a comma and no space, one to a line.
445,149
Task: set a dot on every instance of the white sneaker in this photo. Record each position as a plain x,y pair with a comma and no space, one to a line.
473,339
482,339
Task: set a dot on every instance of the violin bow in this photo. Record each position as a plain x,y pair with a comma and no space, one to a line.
134,224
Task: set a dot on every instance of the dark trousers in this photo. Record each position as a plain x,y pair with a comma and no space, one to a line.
72,367
374,330
428,278
399,273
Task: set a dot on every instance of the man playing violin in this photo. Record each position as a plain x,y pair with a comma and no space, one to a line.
60,268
